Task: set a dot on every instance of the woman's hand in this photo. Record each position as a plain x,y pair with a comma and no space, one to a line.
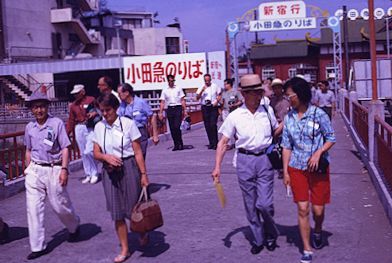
314,161
216,175
113,160
144,180
286,179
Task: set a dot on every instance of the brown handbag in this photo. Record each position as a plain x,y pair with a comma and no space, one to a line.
146,215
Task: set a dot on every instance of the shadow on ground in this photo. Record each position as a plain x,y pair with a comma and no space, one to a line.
290,232
155,247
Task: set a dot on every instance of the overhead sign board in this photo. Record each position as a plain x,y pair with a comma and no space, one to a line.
282,24
217,67
281,10
149,72
353,14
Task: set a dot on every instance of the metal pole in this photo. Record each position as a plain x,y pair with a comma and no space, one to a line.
373,50
119,55
346,46
235,61
228,59
388,43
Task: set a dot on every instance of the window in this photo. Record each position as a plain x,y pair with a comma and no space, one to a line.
172,45
330,71
267,72
292,72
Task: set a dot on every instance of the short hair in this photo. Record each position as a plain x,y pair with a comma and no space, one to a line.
108,80
170,77
229,81
325,82
270,79
207,75
125,87
108,100
301,88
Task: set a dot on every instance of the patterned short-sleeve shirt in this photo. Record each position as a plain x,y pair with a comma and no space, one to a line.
306,135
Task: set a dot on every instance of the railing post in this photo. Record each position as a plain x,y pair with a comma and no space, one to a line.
376,108
353,97
342,94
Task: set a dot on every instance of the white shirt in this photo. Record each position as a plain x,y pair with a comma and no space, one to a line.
172,96
324,99
211,93
111,143
265,101
252,130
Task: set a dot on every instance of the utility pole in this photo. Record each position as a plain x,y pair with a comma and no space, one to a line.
373,54
346,47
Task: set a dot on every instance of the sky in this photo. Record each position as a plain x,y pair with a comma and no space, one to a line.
203,22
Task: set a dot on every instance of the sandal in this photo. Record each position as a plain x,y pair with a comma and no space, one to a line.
120,258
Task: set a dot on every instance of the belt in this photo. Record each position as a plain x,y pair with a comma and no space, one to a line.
126,158
247,152
173,106
49,164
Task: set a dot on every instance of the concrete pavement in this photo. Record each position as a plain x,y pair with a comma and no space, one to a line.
197,229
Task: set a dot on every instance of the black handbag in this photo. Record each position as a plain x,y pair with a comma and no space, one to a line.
323,162
274,151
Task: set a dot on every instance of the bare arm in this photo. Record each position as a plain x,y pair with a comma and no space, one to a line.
64,167
154,125
161,108
220,153
106,158
198,95
286,158
140,162
315,158
27,157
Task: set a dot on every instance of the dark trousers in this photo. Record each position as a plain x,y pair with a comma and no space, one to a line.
174,116
143,140
210,118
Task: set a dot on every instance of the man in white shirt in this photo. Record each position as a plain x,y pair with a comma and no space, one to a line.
254,125
325,98
174,98
210,95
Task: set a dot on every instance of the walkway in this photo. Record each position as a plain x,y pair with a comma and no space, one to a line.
197,229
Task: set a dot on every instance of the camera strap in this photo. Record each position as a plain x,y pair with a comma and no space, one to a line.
122,139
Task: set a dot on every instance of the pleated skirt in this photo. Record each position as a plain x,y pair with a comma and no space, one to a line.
122,189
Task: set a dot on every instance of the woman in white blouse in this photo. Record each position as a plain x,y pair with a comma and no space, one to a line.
116,144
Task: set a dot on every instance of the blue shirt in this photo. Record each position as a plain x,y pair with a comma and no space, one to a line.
138,110
46,141
298,135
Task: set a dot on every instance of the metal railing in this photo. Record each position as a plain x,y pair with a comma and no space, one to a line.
384,148
19,112
12,155
360,122
347,107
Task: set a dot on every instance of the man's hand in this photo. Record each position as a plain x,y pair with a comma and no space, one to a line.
91,114
160,116
63,177
113,160
286,179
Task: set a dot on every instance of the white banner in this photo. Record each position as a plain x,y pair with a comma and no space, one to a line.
149,72
217,67
279,10
282,24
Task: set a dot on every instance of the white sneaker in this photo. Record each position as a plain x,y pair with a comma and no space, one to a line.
94,179
86,180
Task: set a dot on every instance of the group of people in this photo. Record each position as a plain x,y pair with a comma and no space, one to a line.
306,137
112,135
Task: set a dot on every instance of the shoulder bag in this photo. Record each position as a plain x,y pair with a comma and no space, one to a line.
274,151
323,162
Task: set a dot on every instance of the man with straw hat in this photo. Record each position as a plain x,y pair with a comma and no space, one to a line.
252,124
46,174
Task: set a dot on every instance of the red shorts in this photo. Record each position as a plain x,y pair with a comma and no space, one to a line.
304,183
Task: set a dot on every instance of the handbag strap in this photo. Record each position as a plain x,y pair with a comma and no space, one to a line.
144,194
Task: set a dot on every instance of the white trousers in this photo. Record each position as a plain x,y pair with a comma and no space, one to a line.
41,182
84,139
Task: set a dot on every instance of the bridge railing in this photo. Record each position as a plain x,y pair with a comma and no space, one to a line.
360,122
384,148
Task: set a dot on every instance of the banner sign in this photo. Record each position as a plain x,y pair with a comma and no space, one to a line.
149,72
217,67
282,24
279,10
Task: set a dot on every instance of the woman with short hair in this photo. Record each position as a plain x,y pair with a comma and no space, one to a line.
117,145
307,137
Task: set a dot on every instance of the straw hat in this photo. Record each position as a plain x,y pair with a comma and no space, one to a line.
276,82
250,82
77,88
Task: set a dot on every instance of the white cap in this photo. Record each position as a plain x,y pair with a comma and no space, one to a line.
276,82
77,88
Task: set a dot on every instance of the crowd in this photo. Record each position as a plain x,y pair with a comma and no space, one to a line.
112,134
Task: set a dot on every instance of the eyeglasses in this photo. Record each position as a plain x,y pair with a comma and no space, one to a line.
291,96
38,106
172,80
